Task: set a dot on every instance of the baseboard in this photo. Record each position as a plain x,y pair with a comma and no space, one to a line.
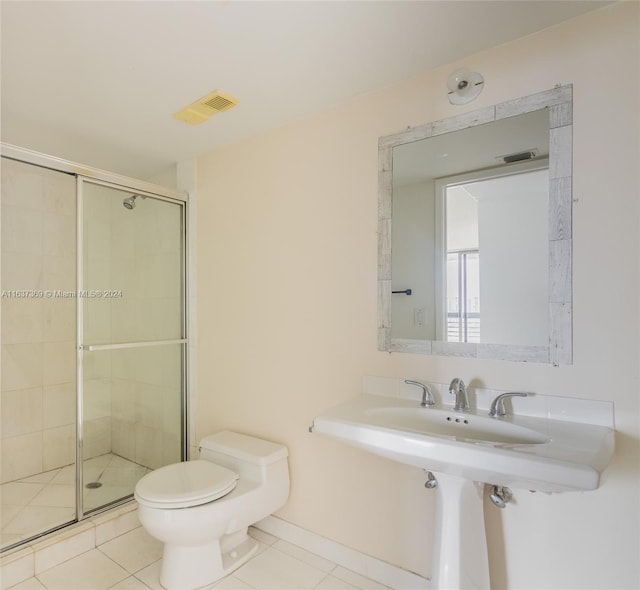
390,575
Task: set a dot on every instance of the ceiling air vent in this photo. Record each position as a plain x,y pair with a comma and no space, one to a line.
205,107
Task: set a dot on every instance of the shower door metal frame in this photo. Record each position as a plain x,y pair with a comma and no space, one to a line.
87,174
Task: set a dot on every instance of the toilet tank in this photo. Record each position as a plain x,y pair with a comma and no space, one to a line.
251,458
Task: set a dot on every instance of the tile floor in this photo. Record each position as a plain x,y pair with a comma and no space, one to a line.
132,562
38,503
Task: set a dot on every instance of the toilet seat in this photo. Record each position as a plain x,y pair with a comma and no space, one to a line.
186,484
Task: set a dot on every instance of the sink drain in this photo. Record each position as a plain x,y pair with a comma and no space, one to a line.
92,485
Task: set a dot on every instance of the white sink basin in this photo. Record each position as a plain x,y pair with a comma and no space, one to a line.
454,425
517,451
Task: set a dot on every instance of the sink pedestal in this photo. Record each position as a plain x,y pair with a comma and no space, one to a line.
460,560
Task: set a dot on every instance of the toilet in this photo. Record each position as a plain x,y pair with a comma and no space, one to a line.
201,509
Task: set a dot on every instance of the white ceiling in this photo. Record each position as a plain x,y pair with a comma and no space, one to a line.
98,82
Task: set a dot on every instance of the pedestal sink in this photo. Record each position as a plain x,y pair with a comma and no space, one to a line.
465,450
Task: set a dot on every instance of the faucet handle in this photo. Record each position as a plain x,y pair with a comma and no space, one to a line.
459,389
427,395
497,409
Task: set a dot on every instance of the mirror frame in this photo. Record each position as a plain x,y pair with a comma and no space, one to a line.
559,101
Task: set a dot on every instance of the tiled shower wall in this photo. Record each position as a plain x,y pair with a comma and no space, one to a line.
131,396
38,332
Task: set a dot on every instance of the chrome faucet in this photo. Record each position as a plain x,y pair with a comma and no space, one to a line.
458,388
427,395
497,409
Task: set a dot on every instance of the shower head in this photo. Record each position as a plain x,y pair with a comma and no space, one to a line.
130,202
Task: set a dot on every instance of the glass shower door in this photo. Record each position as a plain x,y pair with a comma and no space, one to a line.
132,335
38,401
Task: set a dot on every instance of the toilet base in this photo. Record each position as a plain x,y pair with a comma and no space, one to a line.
190,567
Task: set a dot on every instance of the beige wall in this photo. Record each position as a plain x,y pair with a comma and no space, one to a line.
287,308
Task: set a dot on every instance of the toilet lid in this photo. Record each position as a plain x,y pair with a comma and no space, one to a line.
185,484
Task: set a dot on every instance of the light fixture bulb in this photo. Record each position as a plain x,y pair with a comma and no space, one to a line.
464,86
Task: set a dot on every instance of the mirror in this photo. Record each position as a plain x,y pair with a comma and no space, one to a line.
475,233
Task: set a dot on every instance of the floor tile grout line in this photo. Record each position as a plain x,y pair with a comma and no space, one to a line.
114,561
22,536
140,579
323,579
6,524
60,563
125,579
324,570
214,585
335,565
327,574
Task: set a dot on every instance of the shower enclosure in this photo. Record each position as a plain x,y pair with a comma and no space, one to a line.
93,339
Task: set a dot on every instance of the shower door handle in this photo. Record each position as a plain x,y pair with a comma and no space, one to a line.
94,347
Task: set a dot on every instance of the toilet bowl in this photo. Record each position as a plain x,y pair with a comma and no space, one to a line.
201,509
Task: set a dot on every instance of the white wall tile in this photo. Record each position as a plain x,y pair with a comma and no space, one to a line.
59,320
22,320
59,447
59,405
59,235
59,273
97,319
122,399
148,446
22,411
21,456
97,240
59,195
22,271
22,366
149,405
97,437
59,362
21,185
21,230
123,438
97,365
97,398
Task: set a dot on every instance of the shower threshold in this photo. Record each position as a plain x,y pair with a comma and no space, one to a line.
36,504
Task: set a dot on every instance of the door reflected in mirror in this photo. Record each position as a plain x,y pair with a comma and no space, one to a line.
496,248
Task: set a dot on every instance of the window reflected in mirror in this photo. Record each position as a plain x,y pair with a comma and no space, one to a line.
496,293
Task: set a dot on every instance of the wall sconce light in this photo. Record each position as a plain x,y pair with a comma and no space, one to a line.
464,86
